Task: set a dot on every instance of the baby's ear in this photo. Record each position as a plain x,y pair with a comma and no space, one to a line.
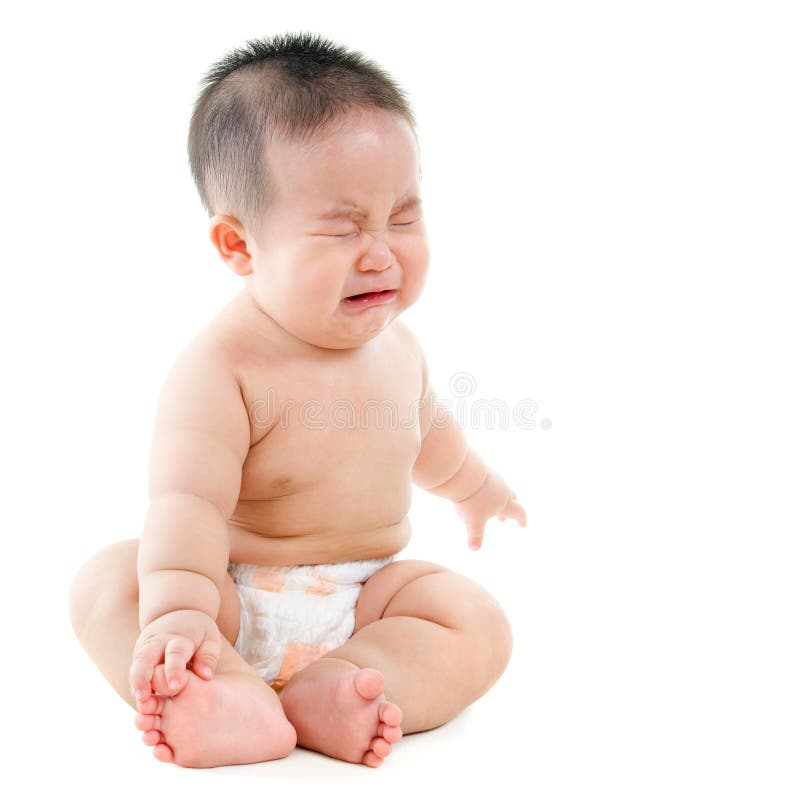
228,237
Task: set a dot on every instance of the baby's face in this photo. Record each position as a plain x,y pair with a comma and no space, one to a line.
337,227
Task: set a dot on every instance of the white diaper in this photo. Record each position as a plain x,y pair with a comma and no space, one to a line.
293,615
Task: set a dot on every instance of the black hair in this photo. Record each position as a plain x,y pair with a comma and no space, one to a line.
293,85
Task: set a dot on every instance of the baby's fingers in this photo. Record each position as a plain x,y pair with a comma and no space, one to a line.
177,653
514,510
207,657
144,662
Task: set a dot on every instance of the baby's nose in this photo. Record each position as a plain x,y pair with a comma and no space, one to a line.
377,256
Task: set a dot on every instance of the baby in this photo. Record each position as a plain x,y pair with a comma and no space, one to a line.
263,606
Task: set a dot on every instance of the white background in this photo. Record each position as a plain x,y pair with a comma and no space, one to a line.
612,199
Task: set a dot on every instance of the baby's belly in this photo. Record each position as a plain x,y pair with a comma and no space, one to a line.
325,525
249,546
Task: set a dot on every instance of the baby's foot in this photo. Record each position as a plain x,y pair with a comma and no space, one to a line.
234,718
340,710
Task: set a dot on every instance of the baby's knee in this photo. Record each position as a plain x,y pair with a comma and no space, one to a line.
111,570
503,639
492,627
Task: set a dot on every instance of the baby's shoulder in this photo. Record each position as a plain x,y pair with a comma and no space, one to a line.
406,337
223,343
211,358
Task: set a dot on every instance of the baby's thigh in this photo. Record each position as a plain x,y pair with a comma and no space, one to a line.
113,570
429,591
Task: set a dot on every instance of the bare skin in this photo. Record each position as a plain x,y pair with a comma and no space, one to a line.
264,453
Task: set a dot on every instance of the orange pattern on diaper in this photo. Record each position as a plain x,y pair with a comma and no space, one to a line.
320,584
298,655
269,581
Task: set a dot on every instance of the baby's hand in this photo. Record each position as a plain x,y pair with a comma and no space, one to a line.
493,498
174,638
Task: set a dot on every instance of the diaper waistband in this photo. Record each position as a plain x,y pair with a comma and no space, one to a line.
306,577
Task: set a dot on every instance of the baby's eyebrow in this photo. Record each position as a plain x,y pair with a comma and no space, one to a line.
349,211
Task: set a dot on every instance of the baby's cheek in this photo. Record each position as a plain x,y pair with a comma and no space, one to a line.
414,280
316,288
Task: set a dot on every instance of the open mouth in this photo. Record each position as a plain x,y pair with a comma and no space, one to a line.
370,298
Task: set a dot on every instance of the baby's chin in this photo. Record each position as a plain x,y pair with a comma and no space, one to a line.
345,332
348,339
340,328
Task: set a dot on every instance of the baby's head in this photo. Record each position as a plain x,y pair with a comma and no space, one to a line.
306,159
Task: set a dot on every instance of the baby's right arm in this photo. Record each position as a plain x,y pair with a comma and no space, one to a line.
200,441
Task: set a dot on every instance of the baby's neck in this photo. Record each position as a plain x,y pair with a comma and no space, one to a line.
245,311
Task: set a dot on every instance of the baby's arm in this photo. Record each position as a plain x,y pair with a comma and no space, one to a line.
200,440
446,466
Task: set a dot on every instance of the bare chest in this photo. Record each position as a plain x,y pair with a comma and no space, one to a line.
345,427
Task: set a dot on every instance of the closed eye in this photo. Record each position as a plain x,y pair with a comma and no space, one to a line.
356,233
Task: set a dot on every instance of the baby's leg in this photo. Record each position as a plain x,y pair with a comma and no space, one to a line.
434,642
235,718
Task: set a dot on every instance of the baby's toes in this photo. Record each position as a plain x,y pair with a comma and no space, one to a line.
369,682
152,738
380,747
151,705
147,722
371,759
390,714
391,733
163,752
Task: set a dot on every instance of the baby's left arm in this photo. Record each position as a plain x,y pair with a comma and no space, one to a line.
446,466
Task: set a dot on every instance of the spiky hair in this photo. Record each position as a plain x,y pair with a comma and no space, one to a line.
291,85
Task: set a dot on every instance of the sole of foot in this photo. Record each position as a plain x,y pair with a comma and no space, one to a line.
234,718
340,710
